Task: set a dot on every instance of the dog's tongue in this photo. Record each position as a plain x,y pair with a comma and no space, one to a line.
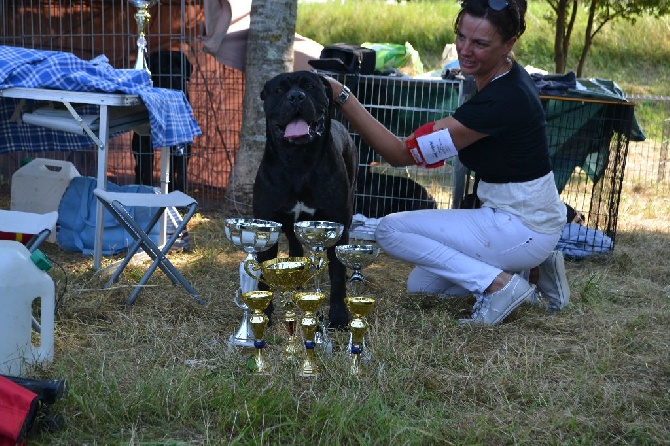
296,129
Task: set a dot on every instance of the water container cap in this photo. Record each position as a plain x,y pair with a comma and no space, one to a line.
40,260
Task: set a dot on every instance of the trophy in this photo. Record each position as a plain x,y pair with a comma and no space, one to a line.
252,236
258,301
357,257
359,307
142,17
284,275
318,236
308,303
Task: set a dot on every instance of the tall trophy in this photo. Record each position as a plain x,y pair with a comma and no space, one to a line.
142,17
285,275
360,307
258,301
318,236
309,302
357,257
252,236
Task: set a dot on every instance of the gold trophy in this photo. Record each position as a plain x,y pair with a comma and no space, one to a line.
258,301
252,236
142,17
308,303
359,307
284,275
357,257
318,236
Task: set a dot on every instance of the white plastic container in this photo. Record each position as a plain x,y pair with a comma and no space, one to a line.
21,283
39,186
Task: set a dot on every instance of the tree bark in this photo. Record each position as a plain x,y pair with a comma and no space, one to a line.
269,52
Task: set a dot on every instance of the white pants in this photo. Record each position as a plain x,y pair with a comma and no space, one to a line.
461,251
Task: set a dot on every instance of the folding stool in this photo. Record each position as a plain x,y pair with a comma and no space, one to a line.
38,226
117,202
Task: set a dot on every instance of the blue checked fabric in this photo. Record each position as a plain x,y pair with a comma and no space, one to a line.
170,114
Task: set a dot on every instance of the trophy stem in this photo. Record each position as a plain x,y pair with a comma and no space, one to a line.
309,324
258,322
289,321
142,17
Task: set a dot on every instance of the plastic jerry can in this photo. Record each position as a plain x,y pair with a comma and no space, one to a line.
21,283
39,186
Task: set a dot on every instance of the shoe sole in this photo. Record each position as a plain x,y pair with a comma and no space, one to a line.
563,297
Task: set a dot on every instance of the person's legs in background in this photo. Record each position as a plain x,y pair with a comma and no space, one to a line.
144,159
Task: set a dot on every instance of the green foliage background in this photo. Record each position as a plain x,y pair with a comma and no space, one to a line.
634,55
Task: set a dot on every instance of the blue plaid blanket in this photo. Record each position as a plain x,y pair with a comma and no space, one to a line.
170,114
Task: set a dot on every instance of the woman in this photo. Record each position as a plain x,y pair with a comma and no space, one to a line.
500,133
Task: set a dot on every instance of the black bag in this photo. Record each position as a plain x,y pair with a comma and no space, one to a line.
346,58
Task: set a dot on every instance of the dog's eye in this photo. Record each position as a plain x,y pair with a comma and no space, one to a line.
279,90
311,86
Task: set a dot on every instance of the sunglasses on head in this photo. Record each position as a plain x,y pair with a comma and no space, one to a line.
498,5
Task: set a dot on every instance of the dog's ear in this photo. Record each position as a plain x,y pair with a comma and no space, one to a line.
329,95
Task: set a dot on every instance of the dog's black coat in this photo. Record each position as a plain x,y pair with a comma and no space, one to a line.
308,176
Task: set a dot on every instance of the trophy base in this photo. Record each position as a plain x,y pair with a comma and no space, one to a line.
234,341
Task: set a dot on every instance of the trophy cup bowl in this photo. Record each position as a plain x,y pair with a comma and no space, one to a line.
252,236
357,257
308,303
258,301
318,235
142,17
360,307
284,274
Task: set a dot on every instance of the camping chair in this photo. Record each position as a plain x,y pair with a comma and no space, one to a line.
117,202
19,225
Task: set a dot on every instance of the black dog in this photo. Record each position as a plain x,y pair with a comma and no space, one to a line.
307,171
380,194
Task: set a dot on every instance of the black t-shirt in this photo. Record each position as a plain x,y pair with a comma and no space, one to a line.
509,110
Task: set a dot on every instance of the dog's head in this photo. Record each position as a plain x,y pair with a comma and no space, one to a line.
298,107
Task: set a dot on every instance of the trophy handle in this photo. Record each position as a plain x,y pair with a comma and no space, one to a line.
251,265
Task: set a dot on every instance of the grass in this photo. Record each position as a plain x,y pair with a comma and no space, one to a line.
428,26
161,372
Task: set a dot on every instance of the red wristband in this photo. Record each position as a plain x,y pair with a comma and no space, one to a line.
425,129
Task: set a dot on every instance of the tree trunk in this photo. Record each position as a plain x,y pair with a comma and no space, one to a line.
565,22
269,52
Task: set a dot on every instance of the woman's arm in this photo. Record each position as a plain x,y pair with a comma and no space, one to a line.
383,141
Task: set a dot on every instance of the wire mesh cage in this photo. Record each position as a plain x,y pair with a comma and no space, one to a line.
402,104
89,28
588,143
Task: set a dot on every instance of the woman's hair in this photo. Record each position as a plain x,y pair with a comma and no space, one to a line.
507,16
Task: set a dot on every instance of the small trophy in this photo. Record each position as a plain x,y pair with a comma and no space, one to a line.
252,236
308,303
359,307
284,275
357,257
258,301
142,17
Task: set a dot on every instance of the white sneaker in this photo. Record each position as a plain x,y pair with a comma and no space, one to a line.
491,309
553,283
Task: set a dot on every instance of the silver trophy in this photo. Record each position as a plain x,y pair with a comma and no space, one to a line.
142,17
357,257
252,236
318,236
